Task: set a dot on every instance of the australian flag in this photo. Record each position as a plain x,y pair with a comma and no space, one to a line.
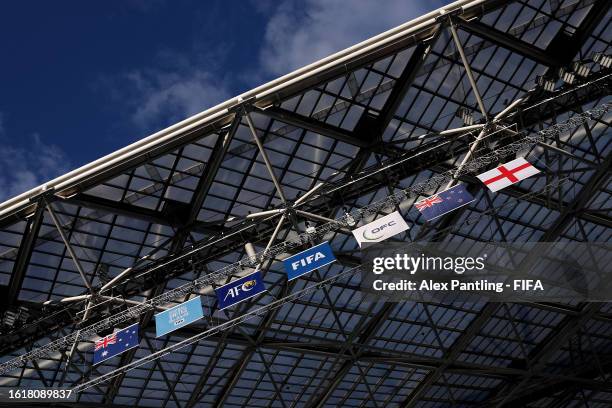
444,202
116,343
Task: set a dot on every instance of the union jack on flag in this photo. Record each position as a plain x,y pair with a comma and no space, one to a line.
444,202
104,342
116,343
428,202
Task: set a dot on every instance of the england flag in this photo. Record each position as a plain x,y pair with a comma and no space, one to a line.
507,174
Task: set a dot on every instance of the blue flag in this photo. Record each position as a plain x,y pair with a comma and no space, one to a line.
240,289
178,316
116,343
308,260
444,202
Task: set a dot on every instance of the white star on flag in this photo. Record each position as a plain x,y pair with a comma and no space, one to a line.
507,174
104,353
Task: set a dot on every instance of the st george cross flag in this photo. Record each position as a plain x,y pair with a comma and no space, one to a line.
116,343
444,202
508,174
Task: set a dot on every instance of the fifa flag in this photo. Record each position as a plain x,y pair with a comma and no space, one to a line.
508,174
240,290
444,202
178,316
307,261
116,343
381,229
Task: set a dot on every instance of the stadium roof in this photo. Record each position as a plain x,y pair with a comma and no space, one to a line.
338,135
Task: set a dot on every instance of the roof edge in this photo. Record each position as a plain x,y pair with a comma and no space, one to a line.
221,110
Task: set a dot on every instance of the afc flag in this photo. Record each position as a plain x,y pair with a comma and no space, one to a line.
444,202
116,343
240,290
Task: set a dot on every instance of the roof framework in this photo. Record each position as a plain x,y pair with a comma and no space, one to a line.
340,126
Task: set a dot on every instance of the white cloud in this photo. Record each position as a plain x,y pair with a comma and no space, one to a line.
166,97
300,33
176,85
24,168
176,88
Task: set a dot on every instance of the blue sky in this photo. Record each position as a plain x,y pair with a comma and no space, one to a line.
80,79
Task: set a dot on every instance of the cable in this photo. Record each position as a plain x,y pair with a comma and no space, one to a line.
216,329
421,188
261,310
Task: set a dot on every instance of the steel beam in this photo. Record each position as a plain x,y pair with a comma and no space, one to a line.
450,357
541,356
364,353
73,255
398,92
424,157
566,44
403,84
312,125
554,231
141,213
327,200
325,129
24,254
120,208
201,191
264,155
203,186
568,328
216,158
508,42
468,71
363,333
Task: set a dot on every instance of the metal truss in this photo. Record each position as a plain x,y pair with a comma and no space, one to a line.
406,144
271,252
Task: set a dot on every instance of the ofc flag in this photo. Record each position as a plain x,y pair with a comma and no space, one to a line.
116,343
508,174
381,229
239,290
309,260
178,316
444,202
